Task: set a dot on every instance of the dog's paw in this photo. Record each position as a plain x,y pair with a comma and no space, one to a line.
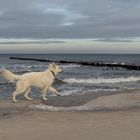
45,99
58,94
30,99
15,101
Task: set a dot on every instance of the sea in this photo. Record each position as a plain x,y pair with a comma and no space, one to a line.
78,79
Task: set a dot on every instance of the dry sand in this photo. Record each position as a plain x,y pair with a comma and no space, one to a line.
114,117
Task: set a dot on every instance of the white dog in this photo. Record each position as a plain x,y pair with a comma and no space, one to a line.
42,80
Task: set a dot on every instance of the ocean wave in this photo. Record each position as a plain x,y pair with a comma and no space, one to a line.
22,66
6,83
69,66
21,71
102,80
19,66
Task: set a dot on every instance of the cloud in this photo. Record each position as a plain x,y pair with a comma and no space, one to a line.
42,19
68,17
30,41
73,46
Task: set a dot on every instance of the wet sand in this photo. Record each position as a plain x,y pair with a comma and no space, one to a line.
110,117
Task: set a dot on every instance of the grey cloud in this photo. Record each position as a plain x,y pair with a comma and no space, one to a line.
113,40
31,42
41,19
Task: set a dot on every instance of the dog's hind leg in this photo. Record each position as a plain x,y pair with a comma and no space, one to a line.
20,88
44,90
26,94
15,93
51,89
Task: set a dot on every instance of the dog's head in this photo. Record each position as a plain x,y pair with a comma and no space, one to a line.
55,68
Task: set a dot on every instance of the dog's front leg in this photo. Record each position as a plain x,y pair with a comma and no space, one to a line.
26,94
44,90
51,89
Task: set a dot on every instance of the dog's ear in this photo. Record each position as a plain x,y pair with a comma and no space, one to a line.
52,65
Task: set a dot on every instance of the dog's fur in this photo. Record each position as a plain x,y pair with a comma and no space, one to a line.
42,80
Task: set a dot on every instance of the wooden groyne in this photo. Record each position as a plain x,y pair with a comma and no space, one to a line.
87,63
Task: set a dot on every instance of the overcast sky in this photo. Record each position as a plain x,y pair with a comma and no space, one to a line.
53,25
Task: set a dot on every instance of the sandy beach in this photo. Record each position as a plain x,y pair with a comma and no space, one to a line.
109,117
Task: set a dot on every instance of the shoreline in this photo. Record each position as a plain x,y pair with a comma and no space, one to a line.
92,102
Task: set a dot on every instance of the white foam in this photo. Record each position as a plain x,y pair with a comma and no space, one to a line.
52,108
100,90
102,80
70,92
22,66
113,102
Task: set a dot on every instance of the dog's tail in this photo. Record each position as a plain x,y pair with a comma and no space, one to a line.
9,76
